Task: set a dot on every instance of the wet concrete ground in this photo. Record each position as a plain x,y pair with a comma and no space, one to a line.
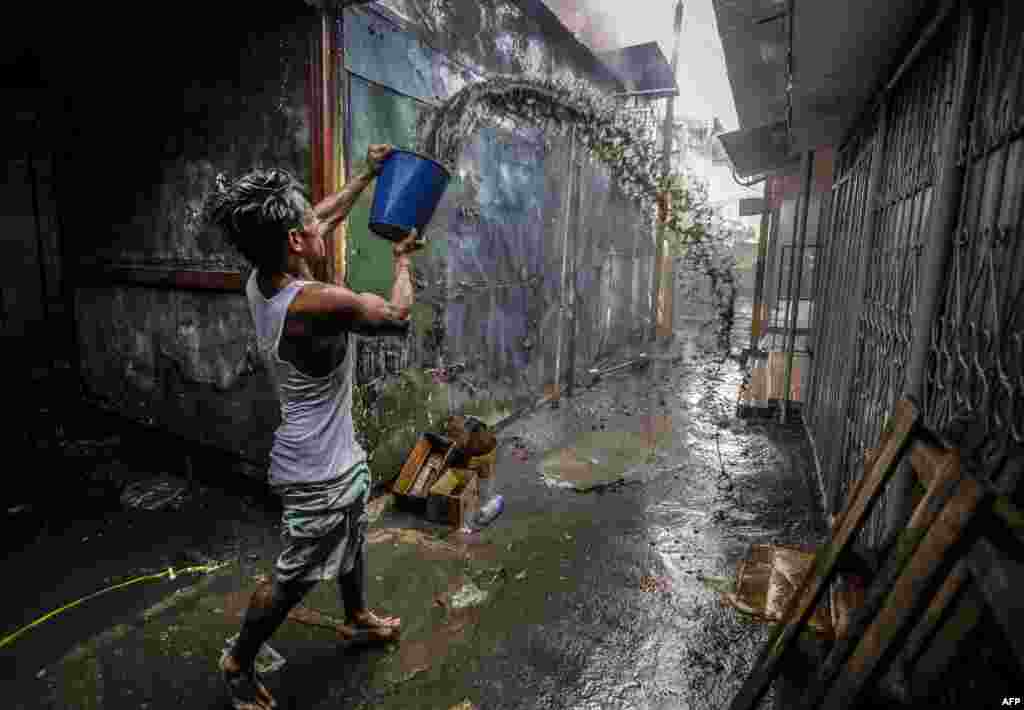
608,598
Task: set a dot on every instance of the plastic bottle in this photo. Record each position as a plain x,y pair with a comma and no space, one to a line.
489,512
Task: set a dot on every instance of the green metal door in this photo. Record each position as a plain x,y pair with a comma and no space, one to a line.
378,115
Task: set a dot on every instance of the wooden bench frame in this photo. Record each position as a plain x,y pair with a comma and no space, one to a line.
956,535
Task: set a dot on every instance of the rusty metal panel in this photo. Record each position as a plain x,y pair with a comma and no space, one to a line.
503,257
379,51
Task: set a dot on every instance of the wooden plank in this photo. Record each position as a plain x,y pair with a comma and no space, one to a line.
912,592
943,488
815,585
412,466
925,631
996,582
870,459
926,458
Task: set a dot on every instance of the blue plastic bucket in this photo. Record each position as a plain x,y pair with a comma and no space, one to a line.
407,192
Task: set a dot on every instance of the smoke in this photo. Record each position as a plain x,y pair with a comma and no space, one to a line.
588,21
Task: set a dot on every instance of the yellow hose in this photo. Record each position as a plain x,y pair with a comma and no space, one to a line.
169,573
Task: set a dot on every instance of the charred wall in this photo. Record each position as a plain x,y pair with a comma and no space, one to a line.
150,116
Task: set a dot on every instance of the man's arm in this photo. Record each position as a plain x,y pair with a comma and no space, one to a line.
331,210
325,309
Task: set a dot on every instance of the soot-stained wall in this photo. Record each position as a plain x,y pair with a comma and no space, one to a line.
143,156
237,98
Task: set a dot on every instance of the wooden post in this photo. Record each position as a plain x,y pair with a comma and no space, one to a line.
666,168
656,267
573,309
333,165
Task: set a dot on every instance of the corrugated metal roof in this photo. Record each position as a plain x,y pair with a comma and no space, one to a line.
642,67
756,151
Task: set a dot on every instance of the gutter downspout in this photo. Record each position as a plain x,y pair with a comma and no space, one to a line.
757,324
569,192
333,165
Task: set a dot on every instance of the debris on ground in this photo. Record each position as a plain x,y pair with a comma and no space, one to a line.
377,506
158,493
441,478
488,513
468,595
766,581
651,583
519,449
464,705
408,536
267,660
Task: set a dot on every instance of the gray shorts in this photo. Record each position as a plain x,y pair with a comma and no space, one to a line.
321,538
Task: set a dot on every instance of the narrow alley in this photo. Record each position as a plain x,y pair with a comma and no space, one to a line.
609,597
660,356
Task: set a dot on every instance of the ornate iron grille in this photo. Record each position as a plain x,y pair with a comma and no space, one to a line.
859,371
975,371
918,109
831,335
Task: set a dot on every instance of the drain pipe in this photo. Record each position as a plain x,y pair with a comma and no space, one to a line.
565,261
793,304
757,324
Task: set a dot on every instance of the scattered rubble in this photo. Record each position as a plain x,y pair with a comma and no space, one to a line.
155,494
267,660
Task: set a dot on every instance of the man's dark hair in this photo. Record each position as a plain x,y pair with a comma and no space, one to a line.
255,213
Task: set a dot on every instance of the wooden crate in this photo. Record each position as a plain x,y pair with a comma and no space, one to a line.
455,497
484,465
426,463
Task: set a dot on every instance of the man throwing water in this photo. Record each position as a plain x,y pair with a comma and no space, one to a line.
305,329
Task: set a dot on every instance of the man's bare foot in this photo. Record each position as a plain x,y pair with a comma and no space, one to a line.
380,627
244,688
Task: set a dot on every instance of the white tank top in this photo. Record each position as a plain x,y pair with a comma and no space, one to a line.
316,439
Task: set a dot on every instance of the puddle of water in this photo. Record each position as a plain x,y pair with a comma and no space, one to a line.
598,458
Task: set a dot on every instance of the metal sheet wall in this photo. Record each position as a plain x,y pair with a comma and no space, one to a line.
492,279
